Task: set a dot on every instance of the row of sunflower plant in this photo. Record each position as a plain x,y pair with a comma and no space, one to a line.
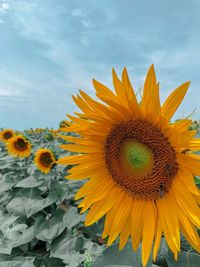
39,220
138,174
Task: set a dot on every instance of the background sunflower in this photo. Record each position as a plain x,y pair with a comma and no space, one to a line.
44,160
18,146
6,134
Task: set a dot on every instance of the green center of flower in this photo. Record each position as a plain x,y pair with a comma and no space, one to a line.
136,157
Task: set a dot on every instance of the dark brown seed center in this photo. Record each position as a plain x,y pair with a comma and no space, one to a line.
7,135
46,159
21,144
155,157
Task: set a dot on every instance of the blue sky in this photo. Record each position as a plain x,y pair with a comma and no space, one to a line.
49,49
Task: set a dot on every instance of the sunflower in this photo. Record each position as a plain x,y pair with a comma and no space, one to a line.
18,146
44,160
6,134
140,165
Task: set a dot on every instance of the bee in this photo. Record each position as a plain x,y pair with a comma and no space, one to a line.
169,169
161,190
185,151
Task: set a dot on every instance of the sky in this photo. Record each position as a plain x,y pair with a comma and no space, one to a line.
49,49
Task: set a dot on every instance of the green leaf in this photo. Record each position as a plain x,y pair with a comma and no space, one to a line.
17,261
126,257
197,180
63,246
185,259
6,182
29,201
72,217
5,246
29,182
24,237
47,230
48,262
6,220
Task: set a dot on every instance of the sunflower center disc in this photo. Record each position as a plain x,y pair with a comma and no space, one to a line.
140,159
46,159
7,135
21,145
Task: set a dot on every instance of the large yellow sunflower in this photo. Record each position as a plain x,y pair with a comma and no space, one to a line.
44,159
6,134
140,165
18,146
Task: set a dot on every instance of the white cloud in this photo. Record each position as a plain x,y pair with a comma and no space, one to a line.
78,13
4,6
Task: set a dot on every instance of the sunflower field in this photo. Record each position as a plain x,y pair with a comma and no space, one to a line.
40,224
125,161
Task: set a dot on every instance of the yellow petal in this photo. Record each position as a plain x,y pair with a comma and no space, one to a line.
123,210
137,222
186,202
174,100
191,162
132,100
82,104
119,89
169,221
185,174
94,148
100,208
150,99
194,145
157,240
92,197
92,185
181,125
102,90
124,235
148,230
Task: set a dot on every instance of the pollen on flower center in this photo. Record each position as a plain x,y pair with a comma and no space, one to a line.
136,157
140,159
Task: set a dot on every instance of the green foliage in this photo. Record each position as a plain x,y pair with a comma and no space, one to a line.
39,219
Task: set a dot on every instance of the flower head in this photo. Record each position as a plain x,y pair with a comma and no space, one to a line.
19,146
44,160
6,134
140,165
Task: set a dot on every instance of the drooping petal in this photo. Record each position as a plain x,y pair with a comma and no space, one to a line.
137,222
124,235
123,211
100,208
158,234
170,226
149,222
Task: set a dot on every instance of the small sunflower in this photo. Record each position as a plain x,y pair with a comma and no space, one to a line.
44,159
6,134
18,146
140,165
